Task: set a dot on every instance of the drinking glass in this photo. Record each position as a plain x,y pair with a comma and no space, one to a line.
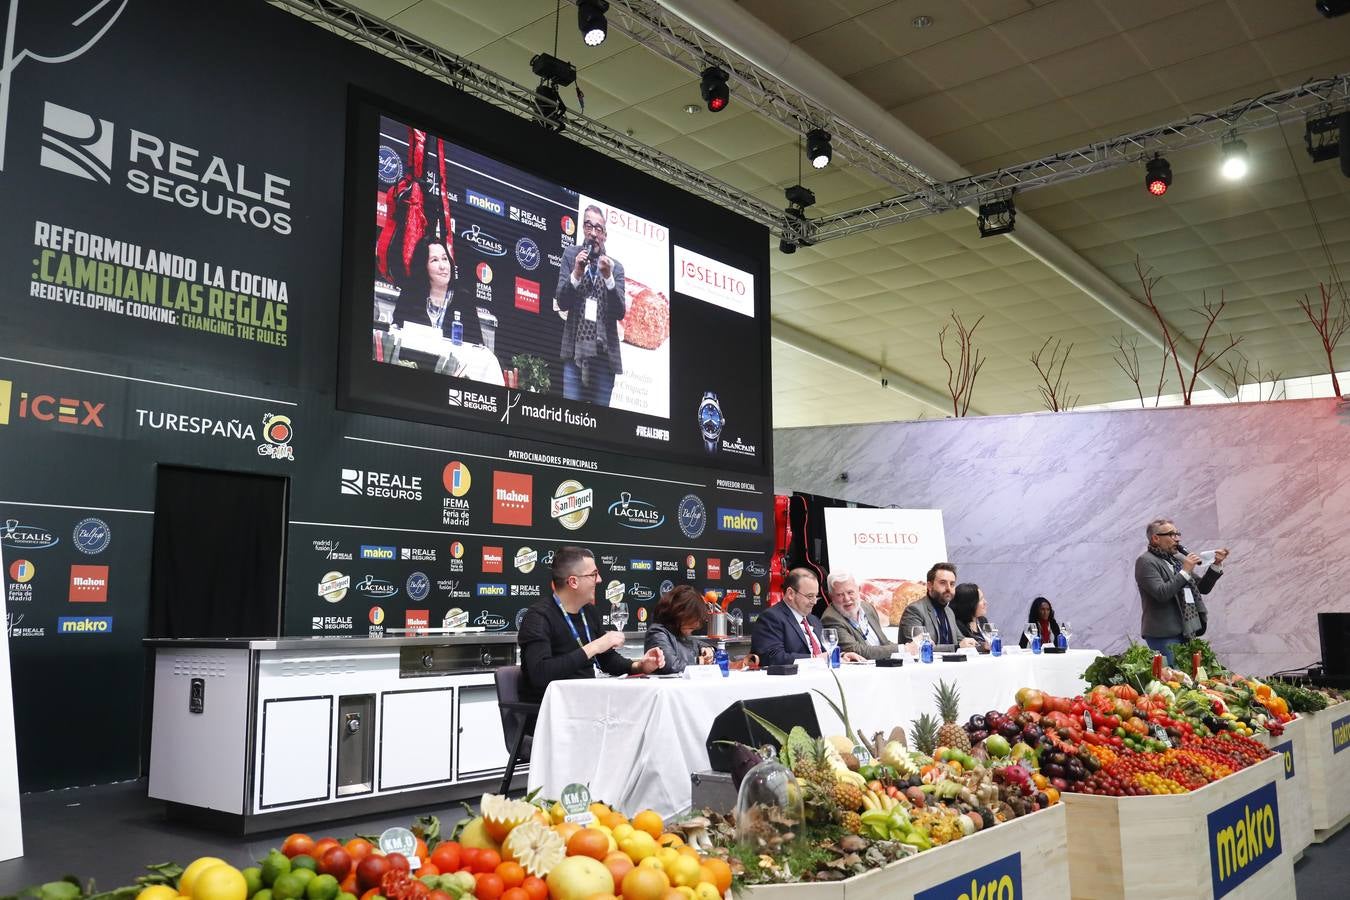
735,623
1032,630
831,636
987,629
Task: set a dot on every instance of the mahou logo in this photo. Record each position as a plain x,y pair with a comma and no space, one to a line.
512,495
88,584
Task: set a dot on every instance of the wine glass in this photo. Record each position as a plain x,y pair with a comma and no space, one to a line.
1067,631
988,630
735,623
831,636
1032,630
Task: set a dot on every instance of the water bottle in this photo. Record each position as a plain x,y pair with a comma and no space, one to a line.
1036,642
723,661
457,331
836,657
1061,641
926,649
996,645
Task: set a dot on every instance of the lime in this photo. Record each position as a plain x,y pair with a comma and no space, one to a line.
304,861
290,886
264,894
253,878
275,865
305,875
322,887
346,896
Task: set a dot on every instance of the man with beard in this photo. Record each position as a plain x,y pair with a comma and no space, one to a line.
856,621
591,295
1169,591
933,613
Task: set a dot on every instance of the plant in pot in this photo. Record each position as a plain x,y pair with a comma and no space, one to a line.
533,371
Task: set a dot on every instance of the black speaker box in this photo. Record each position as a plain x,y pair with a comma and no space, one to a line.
1334,630
732,724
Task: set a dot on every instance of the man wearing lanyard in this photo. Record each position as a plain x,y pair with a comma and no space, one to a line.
857,622
1169,591
561,637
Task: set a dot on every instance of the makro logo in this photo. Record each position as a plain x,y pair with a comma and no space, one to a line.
26,537
88,584
999,880
382,485
49,408
527,295
92,536
527,254
1243,837
741,521
641,565
484,202
639,514
512,493
82,145
492,590
486,243
492,560
1340,734
84,625
369,551
1286,751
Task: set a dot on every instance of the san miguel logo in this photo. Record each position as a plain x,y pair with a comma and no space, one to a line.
571,504
1243,837
999,880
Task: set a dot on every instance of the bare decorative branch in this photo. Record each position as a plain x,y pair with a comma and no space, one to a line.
961,378
1209,311
1054,389
1329,328
1127,357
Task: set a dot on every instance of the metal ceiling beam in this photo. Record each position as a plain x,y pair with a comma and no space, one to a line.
878,375
730,25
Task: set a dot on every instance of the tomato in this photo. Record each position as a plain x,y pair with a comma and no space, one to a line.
488,886
358,848
515,893
468,858
535,888
335,861
512,874
296,844
398,863
371,870
323,846
446,856
488,861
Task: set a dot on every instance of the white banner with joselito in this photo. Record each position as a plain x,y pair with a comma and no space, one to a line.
888,551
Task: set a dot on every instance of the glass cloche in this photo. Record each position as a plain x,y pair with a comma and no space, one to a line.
769,811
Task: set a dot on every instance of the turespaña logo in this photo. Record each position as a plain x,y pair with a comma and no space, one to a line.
511,496
390,165
88,584
486,243
333,586
92,536
376,588
22,571
525,560
692,516
527,254
456,478
418,586
277,433
84,624
491,621
636,513
571,504
76,143
26,537
740,521
370,551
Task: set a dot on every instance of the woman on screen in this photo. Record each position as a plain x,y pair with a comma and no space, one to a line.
428,297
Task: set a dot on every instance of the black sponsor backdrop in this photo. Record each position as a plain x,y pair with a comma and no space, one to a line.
92,399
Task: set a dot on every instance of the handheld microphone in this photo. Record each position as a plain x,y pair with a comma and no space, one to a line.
1182,551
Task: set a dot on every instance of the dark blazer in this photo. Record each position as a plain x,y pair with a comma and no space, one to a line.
777,637
549,652
570,301
851,639
924,612
1162,595
1054,633
412,309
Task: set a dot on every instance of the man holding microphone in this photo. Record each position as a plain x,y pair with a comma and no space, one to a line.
1169,592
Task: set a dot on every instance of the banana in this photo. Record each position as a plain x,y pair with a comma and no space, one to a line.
869,801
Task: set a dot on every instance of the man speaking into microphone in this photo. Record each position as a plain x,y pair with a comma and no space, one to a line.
591,295
1170,593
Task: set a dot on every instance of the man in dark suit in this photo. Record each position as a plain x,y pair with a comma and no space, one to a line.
592,299
933,613
857,622
561,637
1170,594
787,632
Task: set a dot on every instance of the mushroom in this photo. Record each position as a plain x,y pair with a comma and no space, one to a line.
695,831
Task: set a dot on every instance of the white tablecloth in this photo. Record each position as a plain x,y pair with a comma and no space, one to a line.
635,741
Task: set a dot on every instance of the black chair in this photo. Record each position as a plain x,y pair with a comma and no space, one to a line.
518,720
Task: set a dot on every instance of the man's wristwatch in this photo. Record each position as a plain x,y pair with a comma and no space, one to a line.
710,420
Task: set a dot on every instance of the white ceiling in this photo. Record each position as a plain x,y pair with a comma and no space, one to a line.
991,83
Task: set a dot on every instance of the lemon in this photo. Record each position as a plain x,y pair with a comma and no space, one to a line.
222,882
706,891
684,870
158,892
195,868
622,831
687,891
652,862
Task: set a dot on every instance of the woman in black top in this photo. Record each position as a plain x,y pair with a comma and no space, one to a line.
969,607
428,297
1042,614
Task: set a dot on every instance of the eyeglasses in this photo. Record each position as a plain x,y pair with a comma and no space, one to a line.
1169,534
595,575
812,597
593,226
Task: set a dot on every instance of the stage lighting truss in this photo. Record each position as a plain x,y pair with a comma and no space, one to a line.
997,217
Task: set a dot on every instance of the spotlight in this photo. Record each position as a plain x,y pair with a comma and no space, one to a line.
714,89
818,147
591,21
786,246
997,217
800,197
1234,158
1333,8
558,72
552,111
1157,176
1322,136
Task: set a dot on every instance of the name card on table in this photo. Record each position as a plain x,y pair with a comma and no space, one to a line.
1287,751
1243,837
1340,734
999,880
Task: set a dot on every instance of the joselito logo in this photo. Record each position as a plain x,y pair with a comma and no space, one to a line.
49,408
26,537
484,202
632,513
715,282
527,295
88,584
486,243
512,494
492,560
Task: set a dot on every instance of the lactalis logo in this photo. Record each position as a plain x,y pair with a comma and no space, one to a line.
76,143
84,31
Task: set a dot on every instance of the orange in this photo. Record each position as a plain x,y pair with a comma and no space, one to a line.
614,819
588,842
488,886
643,883
515,893
649,820
686,850
618,864
721,872
422,851
673,894
566,830
358,849
670,840
534,887
296,844
512,874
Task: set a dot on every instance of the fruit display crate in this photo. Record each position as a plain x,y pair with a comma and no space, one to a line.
1328,763
1296,827
1222,840
1021,858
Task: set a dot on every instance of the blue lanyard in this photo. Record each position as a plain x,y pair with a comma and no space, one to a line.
584,624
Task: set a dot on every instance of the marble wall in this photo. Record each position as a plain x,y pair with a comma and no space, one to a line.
1056,505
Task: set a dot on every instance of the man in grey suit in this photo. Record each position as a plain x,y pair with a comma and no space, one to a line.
934,613
856,621
1170,594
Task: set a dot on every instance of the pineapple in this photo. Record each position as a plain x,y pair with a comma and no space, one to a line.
851,822
848,795
949,707
925,734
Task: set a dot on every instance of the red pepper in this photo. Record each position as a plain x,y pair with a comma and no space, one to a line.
1157,666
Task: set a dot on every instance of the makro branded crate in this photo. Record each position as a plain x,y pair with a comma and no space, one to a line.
1223,840
1296,824
1327,739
